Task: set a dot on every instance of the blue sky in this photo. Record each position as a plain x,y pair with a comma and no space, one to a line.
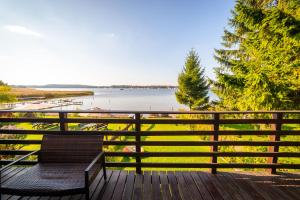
105,42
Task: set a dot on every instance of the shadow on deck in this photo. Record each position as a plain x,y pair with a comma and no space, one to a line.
184,185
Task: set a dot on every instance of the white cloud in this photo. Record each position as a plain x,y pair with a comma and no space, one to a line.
22,30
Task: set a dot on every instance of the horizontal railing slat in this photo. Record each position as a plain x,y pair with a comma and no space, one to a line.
151,112
202,165
182,165
174,143
42,132
150,133
221,121
177,154
203,154
68,120
33,120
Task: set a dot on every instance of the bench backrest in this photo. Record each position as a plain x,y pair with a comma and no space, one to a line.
70,148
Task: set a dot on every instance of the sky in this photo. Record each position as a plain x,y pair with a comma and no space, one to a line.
107,42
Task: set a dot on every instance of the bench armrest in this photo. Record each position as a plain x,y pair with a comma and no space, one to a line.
16,161
99,159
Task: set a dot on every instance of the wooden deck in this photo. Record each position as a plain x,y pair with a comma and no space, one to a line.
183,185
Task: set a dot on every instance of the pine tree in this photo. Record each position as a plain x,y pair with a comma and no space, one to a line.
260,63
192,85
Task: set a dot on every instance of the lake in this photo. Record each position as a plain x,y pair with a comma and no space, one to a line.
140,99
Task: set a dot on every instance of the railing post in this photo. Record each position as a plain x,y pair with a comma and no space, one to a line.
62,124
138,144
215,138
276,127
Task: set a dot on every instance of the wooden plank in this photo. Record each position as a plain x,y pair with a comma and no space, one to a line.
210,186
55,198
118,193
100,189
230,180
7,171
183,188
8,174
138,187
66,197
273,184
173,186
35,198
201,187
194,192
197,185
156,191
128,190
14,198
260,185
165,190
225,194
5,196
44,198
25,198
147,186
289,183
229,187
17,172
110,186
242,182
96,184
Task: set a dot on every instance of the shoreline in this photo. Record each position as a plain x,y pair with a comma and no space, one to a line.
23,94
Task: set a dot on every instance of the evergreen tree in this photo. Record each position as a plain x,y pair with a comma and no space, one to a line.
260,63
192,85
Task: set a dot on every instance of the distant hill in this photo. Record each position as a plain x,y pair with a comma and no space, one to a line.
91,86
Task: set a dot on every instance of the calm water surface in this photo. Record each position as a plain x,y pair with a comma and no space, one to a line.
126,99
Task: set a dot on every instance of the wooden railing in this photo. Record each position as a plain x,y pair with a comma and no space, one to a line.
214,119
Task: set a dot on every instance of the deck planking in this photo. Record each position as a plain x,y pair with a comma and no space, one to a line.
178,185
